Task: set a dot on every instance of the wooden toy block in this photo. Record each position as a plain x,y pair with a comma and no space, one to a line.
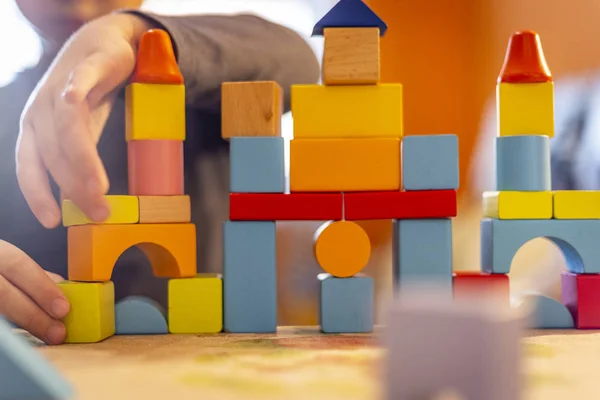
196,304
351,56
123,210
346,305
517,205
581,296
523,163
350,14
251,109
501,239
93,250
430,162
92,315
525,108
358,111
481,286
25,373
525,61
400,205
576,204
249,277
342,248
155,62
546,313
285,207
138,315
422,253
344,165
155,167
154,112
435,345
257,165
165,209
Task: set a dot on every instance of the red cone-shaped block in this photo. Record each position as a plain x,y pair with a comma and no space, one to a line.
156,60
524,61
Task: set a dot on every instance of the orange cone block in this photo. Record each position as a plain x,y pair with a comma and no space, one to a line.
156,61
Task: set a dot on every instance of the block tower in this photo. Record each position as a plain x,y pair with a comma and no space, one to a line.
154,216
345,166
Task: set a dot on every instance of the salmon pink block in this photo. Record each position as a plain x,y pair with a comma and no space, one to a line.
285,207
581,295
479,285
155,167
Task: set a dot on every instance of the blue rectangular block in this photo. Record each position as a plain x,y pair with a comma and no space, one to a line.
523,163
249,277
422,253
430,162
346,304
257,165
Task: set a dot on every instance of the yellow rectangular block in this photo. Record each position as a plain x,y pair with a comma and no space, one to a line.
344,165
123,210
517,205
154,111
165,209
361,111
92,315
251,109
196,304
351,56
577,204
525,109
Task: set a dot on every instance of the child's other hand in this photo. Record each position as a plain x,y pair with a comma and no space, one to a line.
29,297
65,115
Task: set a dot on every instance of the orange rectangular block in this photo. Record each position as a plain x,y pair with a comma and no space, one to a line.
344,165
165,209
155,167
351,56
93,250
251,109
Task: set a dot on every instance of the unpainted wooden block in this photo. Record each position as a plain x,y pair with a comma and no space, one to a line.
576,204
430,162
351,56
523,163
256,165
138,315
251,109
92,315
546,312
346,305
155,167
525,109
123,210
196,304
165,209
517,205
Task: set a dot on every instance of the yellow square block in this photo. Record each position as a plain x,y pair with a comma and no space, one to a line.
155,112
517,205
196,304
92,315
344,165
360,111
577,204
123,210
525,109
351,56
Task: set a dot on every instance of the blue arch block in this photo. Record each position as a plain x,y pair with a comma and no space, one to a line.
523,163
577,239
548,313
138,315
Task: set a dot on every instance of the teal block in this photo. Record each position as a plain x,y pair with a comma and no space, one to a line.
249,277
25,374
523,163
430,162
346,305
422,253
577,239
547,313
138,315
257,165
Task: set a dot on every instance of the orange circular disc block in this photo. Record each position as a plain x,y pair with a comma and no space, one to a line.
525,61
156,61
342,248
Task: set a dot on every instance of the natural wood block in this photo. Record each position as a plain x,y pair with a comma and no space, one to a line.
123,210
351,56
251,109
165,209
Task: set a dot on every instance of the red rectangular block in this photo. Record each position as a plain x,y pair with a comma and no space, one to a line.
400,205
479,285
155,167
581,295
285,207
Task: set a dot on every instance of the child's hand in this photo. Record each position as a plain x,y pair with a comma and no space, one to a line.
65,115
29,297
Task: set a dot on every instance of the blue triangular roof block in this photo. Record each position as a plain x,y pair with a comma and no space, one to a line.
350,14
25,374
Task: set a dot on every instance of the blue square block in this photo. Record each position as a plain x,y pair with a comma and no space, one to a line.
346,304
422,253
249,277
430,162
257,165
